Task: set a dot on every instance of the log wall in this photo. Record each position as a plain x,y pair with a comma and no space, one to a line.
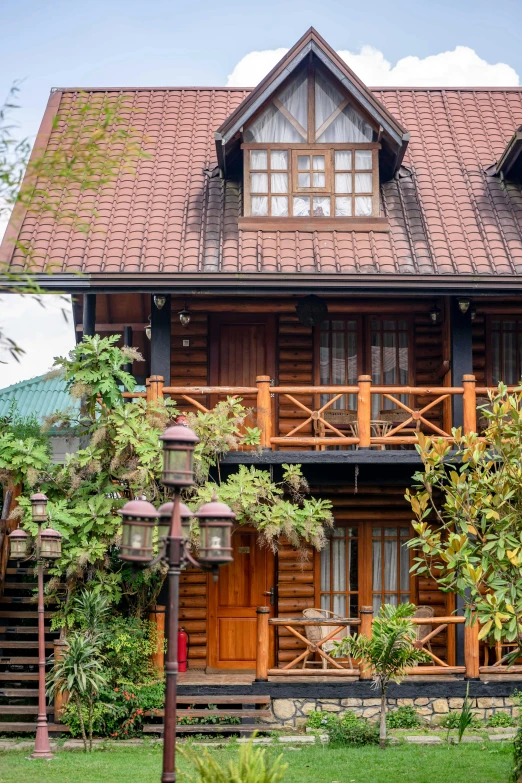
193,615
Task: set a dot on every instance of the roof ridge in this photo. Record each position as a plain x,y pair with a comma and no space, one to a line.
225,88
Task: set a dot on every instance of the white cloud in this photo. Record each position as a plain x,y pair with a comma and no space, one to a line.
461,67
41,331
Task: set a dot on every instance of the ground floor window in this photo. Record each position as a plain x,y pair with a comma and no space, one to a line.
365,565
505,340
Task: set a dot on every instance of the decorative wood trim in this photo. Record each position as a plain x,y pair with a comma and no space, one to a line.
313,224
336,112
345,145
286,114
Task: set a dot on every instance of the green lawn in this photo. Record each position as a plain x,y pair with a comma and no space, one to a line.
488,763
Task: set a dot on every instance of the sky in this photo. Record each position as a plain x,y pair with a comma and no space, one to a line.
71,43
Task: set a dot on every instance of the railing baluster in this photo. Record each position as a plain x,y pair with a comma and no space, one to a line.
469,399
264,409
155,388
364,411
366,612
471,648
263,613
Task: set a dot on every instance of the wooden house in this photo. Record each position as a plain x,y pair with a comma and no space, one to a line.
349,261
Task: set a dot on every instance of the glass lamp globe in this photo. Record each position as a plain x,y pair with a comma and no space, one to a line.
39,508
179,443
139,520
18,544
165,518
215,522
50,544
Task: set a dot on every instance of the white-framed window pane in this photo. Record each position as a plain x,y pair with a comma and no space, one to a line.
343,160
301,206
318,162
279,206
363,159
343,206
321,205
363,206
343,183
259,206
319,180
363,183
259,183
303,180
258,159
279,183
279,159
303,162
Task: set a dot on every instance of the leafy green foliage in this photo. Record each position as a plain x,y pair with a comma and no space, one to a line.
24,448
404,717
208,720
251,766
501,720
347,729
468,518
389,650
516,773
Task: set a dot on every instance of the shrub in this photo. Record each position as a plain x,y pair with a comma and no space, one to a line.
205,720
501,719
404,717
349,729
127,645
452,721
516,775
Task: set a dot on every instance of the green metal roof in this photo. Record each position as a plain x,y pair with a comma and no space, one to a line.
41,396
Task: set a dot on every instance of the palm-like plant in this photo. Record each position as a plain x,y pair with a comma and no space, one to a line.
80,673
389,651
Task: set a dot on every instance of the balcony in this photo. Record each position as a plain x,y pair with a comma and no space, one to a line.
383,418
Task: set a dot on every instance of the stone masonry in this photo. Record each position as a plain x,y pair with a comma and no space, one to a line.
294,712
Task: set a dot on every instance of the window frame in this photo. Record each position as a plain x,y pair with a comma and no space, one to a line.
490,318
328,150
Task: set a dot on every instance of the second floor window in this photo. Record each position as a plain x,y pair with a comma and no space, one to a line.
311,153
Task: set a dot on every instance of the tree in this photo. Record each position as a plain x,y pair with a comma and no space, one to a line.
80,672
389,651
468,518
93,141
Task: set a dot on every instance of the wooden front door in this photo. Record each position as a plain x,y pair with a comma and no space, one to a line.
243,585
241,348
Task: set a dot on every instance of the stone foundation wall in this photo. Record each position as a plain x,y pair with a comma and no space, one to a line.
294,712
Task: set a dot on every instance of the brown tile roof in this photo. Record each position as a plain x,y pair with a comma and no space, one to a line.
447,215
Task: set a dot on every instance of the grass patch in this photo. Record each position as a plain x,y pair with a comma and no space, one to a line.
489,763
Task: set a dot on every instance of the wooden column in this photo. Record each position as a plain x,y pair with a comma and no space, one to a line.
461,354
89,315
262,646
264,410
364,411
471,649
60,699
470,404
160,340
127,340
157,616
154,388
365,671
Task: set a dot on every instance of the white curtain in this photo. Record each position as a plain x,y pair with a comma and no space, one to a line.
279,206
348,126
363,206
343,206
363,183
363,159
259,206
343,183
279,159
321,206
258,160
271,126
279,183
343,160
259,183
301,206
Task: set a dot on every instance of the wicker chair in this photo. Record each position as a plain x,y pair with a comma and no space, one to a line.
424,630
314,633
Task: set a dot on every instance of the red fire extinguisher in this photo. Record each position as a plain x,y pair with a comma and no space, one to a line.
183,642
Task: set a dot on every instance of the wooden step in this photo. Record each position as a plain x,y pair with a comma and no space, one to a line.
18,660
18,676
11,727
17,599
21,709
157,728
26,586
21,570
25,615
26,629
15,693
28,645
212,699
206,713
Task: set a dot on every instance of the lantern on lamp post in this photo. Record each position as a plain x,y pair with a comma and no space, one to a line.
215,523
139,520
50,544
18,544
179,443
165,519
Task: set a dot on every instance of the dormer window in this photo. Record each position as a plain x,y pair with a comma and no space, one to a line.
310,152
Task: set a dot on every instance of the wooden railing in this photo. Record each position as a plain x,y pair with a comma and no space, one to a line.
341,668
416,404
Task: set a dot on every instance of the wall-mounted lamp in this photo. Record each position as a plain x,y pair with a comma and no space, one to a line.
435,314
148,330
464,305
184,316
159,301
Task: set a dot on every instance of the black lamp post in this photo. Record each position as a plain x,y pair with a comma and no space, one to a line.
173,522
48,547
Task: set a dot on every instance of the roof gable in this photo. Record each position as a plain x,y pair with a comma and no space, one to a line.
393,134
